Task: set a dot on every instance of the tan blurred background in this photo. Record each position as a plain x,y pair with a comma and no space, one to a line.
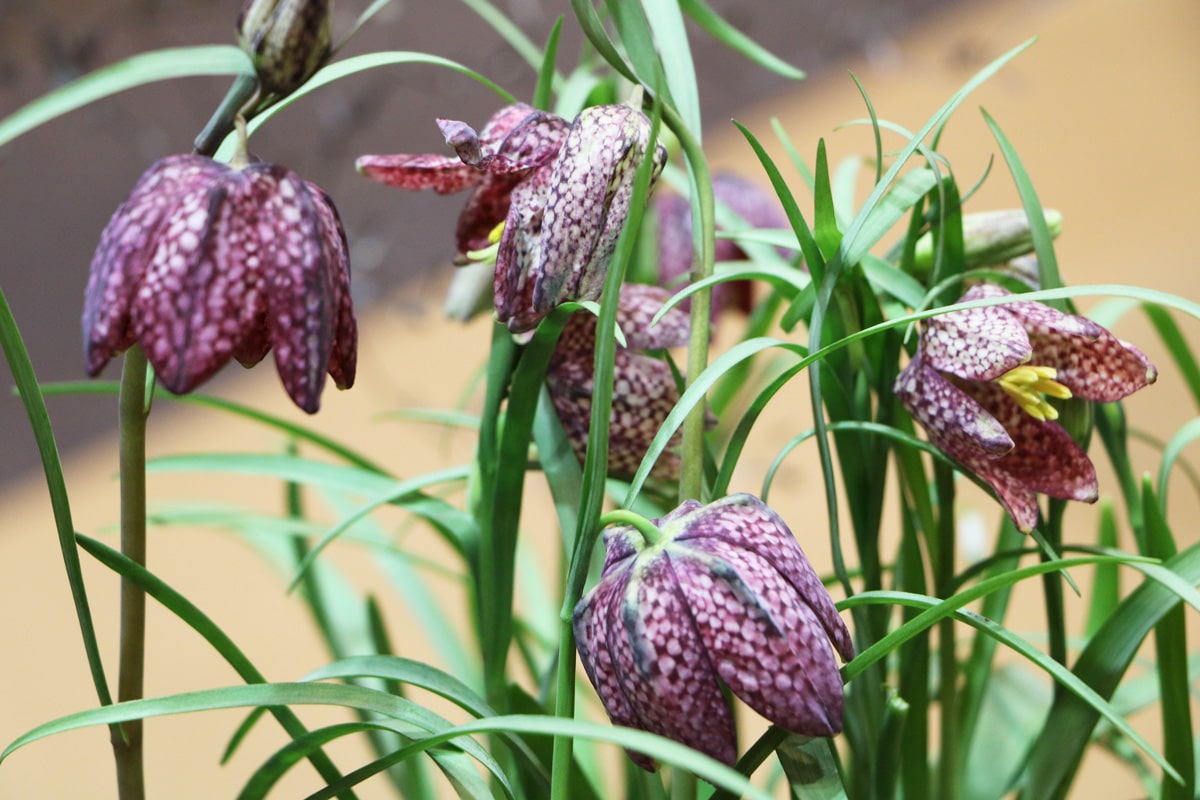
1102,110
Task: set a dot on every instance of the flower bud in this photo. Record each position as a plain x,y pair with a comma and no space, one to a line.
726,598
990,237
288,40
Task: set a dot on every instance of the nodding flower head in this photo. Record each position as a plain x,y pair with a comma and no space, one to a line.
206,262
561,190
724,599
981,383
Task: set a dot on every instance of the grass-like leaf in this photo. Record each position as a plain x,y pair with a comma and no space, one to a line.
60,503
202,624
158,65
1043,241
1055,755
735,40
670,35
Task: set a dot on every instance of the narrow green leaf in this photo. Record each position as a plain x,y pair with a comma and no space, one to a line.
675,54
735,40
202,624
937,610
862,90
593,29
804,235
1177,346
1171,664
543,93
1106,584
1055,755
825,226
158,65
292,429
1182,438
39,422
884,215
1043,241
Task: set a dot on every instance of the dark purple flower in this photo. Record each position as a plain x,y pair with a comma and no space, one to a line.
725,599
674,213
979,384
562,192
515,143
644,389
206,262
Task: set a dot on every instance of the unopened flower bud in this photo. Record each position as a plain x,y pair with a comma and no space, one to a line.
288,40
990,237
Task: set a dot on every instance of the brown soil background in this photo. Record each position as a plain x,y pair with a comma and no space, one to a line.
1102,110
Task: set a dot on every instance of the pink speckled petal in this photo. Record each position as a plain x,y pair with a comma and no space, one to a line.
201,291
592,622
519,245
1045,458
746,522
637,307
644,392
670,683
127,247
767,645
343,359
301,308
587,203
443,174
486,207
1102,368
532,142
955,422
500,124
978,344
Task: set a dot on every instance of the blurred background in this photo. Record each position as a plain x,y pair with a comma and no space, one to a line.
1102,110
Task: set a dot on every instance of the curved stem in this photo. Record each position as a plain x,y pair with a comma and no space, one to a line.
127,744
649,531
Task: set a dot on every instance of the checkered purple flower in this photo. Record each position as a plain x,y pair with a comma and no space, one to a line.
979,384
206,262
644,389
725,599
562,192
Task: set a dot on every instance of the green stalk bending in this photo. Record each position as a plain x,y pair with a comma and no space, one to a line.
127,743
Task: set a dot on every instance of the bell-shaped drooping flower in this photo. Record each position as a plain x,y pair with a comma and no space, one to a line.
644,389
979,384
557,244
726,598
208,261
289,40
562,192
515,143
758,208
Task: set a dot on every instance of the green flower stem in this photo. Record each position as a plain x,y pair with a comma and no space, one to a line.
683,785
127,745
691,479
947,655
243,91
1052,584
649,531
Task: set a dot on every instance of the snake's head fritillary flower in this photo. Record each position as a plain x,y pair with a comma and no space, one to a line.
563,225
726,598
644,389
206,262
517,142
289,40
980,381
758,208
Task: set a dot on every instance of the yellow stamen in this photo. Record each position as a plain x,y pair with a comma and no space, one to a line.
488,254
1030,386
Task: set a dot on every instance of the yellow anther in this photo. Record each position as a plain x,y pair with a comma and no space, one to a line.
1030,385
496,232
